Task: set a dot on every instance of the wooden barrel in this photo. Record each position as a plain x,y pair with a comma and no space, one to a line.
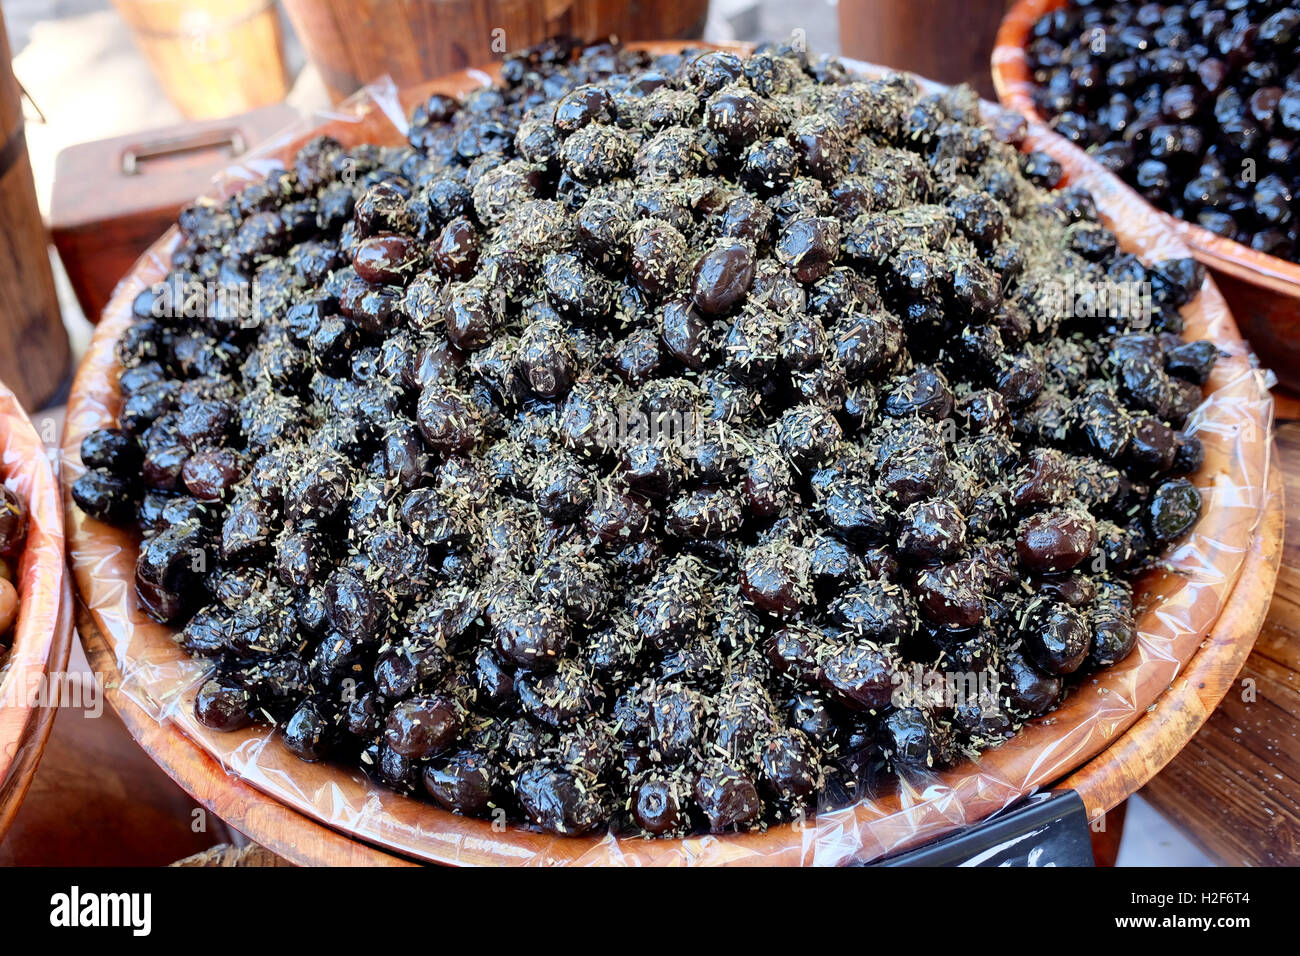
354,41
945,40
213,58
34,355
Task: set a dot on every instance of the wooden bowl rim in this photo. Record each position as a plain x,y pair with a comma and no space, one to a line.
778,844
1014,85
42,637
1161,732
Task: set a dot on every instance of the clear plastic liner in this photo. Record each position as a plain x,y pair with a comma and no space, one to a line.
42,634
1180,603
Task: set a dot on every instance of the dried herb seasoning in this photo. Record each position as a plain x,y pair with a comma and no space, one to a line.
649,441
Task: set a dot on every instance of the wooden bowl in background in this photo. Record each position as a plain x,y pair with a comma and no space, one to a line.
299,810
31,677
1263,291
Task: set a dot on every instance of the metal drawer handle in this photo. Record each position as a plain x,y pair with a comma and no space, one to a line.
230,139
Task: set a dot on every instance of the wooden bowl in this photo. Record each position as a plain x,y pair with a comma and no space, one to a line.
42,637
307,799
1128,764
1263,291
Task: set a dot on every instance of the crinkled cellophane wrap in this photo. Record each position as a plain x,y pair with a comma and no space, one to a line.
42,635
1180,605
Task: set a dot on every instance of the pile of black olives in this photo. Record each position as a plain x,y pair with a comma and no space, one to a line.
606,455
13,535
1196,105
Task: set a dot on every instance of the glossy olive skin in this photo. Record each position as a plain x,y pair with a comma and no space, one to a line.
726,796
222,705
1026,690
1173,510
530,638
860,677
112,449
1056,636
211,473
308,733
463,783
775,582
556,802
658,807
420,727
99,492
1055,541
722,277
386,259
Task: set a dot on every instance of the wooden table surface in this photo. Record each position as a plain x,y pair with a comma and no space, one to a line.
1235,788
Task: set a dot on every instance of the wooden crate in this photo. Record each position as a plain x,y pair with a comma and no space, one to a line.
113,197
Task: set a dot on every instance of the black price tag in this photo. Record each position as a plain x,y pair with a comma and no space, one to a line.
1046,829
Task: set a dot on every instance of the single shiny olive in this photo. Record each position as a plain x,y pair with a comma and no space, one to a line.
1026,690
721,277
657,807
861,677
211,473
726,796
387,259
1054,541
530,637
111,449
457,250
222,704
777,579
462,783
99,493
558,801
422,726
1056,636
1174,508
951,595
308,733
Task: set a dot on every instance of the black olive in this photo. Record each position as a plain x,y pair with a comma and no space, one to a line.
461,783
1053,541
1174,508
726,796
1055,635
422,726
722,277
222,704
99,493
657,806
308,733
558,801
531,637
